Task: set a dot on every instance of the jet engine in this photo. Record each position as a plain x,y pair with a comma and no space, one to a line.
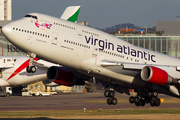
156,75
49,83
63,76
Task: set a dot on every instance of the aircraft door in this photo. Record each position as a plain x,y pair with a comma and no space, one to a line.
78,29
95,50
54,38
30,36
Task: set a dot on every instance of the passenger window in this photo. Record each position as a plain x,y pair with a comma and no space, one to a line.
8,60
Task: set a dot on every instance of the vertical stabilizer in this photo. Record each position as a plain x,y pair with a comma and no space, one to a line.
71,13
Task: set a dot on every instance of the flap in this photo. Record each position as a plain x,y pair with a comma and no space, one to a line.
125,65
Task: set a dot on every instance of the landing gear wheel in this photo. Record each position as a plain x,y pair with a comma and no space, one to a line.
142,103
114,101
31,69
106,93
137,104
111,94
131,100
137,100
152,102
157,101
109,101
28,69
154,94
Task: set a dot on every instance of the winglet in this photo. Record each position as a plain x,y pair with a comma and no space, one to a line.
71,13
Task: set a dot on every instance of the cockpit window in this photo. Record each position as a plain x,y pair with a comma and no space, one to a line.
31,16
28,16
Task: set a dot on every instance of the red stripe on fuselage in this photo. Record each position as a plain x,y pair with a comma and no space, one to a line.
22,67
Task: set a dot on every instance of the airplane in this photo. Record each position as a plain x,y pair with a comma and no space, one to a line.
18,74
119,65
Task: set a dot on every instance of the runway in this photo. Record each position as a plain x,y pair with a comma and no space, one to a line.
72,101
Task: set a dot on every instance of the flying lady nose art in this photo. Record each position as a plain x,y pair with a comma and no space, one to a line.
42,26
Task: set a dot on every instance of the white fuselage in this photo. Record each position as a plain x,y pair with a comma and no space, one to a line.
83,48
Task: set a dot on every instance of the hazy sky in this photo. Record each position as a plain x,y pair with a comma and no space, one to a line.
104,13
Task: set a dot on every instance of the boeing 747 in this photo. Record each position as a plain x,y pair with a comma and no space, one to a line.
90,52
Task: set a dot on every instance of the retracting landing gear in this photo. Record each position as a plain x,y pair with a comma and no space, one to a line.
145,97
137,100
154,101
110,94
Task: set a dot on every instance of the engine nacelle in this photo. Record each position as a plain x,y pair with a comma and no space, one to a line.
63,76
156,75
49,83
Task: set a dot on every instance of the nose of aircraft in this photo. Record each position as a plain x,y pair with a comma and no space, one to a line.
6,29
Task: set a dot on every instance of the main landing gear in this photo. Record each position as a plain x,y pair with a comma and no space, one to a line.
110,94
144,98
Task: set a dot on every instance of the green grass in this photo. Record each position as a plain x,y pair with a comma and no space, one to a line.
64,113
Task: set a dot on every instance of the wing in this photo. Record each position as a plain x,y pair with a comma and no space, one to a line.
125,65
44,65
135,66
